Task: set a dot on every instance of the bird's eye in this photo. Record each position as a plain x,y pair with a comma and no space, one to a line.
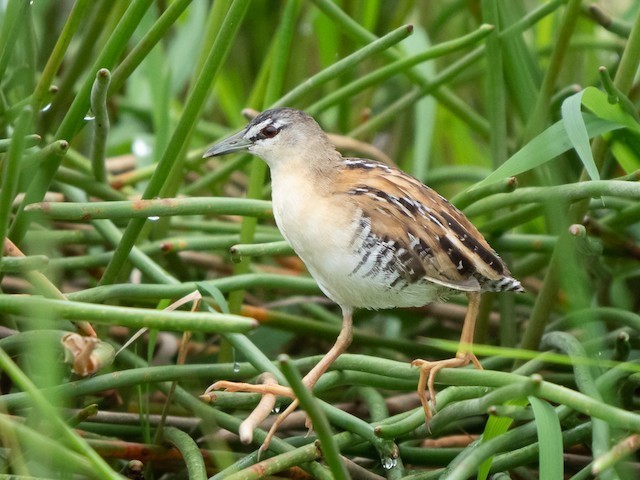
269,131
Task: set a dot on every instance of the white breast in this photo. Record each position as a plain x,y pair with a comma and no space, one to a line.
323,233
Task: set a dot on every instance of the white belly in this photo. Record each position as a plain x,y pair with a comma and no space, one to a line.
322,234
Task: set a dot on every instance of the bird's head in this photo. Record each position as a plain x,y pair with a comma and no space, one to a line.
277,136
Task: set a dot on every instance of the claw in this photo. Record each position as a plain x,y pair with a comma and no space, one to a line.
428,372
251,388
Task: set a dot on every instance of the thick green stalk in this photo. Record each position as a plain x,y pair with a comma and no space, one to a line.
143,209
189,450
330,450
128,317
569,193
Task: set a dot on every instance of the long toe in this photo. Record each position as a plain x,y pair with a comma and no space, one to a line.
251,388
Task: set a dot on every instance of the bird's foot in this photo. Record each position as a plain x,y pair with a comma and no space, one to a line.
428,372
264,388
269,388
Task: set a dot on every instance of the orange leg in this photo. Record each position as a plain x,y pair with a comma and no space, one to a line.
310,379
428,370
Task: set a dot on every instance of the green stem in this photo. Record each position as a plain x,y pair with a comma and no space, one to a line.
23,264
29,141
260,249
11,169
189,451
376,77
330,450
540,113
495,86
101,124
77,14
338,68
168,166
128,317
49,412
63,458
74,118
427,87
14,17
146,44
143,209
570,192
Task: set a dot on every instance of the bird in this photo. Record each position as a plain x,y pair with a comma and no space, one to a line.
371,235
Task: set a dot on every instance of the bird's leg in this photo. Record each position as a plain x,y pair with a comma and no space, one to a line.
342,343
428,370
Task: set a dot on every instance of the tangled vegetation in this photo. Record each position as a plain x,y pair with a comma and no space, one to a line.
136,273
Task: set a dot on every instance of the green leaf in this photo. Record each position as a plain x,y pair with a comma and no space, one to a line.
598,103
626,156
573,122
545,147
496,426
551,462
216,294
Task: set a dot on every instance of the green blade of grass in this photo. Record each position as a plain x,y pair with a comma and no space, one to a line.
550,440
545,147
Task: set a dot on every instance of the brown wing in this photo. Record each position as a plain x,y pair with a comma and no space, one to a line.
441,244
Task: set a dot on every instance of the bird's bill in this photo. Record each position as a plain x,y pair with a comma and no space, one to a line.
231,144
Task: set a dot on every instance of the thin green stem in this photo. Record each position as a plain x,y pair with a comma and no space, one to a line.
168,166
48,411
11,169
77,14
540,113
330,450
101,124
74,117
146,44
374,47
376,77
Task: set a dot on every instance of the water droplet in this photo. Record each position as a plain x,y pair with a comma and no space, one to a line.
153,218
140,148
89,116
276,408
236,367
46,107
388,463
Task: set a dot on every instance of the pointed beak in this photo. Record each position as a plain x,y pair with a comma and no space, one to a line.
231,144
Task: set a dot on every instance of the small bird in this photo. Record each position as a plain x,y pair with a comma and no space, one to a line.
371,235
